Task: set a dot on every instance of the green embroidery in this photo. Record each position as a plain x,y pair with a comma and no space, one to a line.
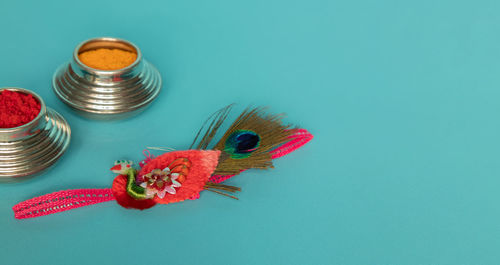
136,192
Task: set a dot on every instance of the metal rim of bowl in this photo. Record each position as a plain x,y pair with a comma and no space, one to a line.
43,108
77,51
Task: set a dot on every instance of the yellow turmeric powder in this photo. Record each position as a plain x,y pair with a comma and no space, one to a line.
107,59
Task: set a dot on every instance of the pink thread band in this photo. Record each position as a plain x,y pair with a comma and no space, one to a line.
69,199
61,201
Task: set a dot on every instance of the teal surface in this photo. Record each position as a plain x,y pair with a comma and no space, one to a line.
402,97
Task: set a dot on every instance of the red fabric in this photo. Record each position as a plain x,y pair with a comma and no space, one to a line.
119,190
17,108
203,164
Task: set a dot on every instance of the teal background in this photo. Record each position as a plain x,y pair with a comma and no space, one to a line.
402,97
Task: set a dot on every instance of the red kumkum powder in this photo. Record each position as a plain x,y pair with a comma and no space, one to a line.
17,108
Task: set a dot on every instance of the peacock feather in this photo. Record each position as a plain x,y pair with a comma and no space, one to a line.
241,144
248,141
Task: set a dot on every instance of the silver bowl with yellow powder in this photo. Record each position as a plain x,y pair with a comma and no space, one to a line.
31,148
91,83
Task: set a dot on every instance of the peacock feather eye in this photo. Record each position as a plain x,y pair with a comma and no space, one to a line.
241,143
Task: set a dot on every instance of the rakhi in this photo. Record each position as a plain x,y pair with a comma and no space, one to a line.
253,140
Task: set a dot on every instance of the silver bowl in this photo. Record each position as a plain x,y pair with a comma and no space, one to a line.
33,147
102,94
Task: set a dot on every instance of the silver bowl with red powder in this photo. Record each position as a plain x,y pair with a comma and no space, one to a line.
107,94
30,148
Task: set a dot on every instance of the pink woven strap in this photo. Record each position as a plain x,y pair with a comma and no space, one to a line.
60,201
297,140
